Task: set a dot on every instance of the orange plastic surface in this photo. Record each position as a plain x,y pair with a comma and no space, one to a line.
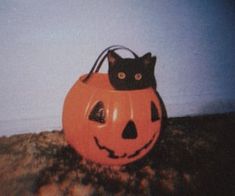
103,142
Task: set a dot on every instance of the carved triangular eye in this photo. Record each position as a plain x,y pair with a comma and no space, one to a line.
154,112
98,113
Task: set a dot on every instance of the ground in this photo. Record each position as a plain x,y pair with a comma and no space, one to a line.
193,157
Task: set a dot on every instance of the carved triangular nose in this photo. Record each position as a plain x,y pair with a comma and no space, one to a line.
129,131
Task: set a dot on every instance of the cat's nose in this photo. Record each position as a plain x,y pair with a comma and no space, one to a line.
129,131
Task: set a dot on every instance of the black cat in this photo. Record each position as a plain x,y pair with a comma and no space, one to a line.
131,74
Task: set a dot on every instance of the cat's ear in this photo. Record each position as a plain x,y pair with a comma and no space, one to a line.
154,60
113,58
148,59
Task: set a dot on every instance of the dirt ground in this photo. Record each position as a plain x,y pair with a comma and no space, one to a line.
195,156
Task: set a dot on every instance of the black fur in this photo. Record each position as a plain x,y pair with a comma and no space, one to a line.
131,74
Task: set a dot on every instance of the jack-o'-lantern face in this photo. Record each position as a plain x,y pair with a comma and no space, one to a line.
108,126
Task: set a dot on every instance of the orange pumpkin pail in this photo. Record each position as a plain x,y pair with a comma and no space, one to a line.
109,126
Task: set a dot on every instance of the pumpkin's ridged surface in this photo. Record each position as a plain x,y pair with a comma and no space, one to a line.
104,142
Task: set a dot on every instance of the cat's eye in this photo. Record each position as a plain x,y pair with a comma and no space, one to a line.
121,75
138,76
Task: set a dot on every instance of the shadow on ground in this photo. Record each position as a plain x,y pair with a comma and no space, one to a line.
193,157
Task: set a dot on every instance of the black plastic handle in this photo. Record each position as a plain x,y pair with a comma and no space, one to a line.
101,59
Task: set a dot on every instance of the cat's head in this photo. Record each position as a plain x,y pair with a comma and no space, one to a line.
131,74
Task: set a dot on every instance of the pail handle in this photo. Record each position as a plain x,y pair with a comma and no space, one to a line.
101,59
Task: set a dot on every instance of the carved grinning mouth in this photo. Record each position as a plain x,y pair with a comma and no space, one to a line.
112,155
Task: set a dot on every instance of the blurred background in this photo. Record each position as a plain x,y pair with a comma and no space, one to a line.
46,45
